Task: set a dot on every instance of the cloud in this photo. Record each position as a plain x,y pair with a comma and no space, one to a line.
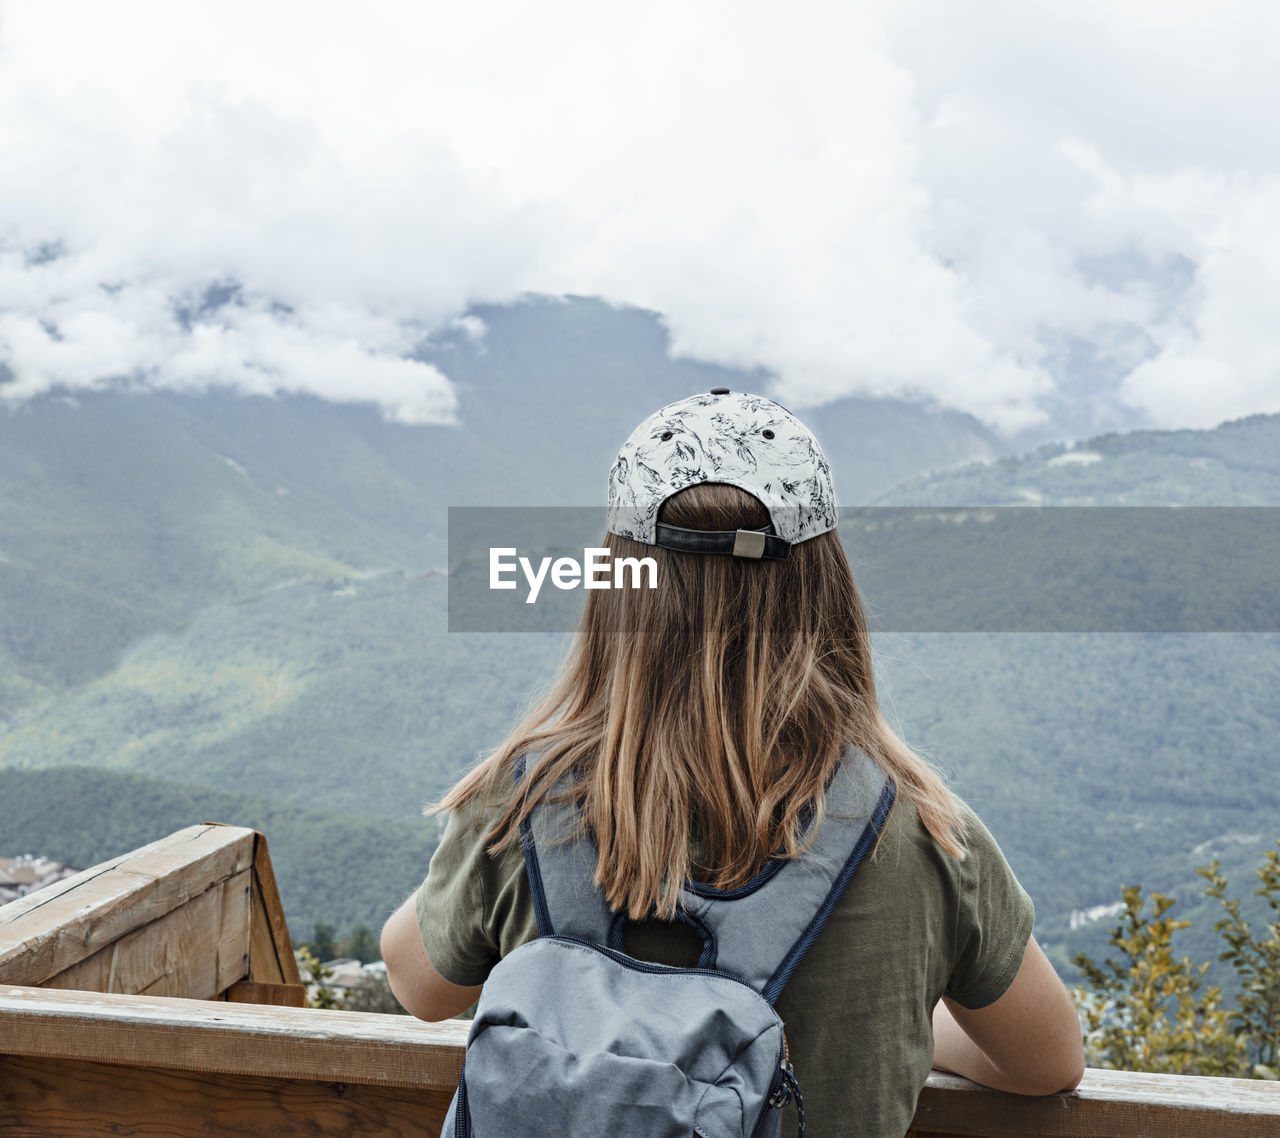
1218,345
65,332
917,198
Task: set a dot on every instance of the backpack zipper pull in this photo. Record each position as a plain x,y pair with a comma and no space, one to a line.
788,1088
793,1087
782,1095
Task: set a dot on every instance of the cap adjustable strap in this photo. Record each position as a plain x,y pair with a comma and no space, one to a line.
752,544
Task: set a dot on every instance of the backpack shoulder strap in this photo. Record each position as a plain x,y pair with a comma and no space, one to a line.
765,927
759,931
560,860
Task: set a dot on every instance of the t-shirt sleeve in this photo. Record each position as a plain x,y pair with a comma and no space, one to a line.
452,904
994,919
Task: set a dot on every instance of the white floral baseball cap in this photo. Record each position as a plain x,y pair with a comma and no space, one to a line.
729,437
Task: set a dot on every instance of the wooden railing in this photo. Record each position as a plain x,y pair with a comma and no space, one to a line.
197,914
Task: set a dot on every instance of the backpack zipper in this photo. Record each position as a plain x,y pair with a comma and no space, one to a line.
645,966
774,1087
462,1116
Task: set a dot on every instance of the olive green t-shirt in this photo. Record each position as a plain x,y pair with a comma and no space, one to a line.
914,924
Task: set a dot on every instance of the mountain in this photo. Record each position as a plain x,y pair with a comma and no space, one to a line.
218,595
1101,759
126,513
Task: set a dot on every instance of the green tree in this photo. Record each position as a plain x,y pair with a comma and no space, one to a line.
322,945
1148,1011
1256,960
361,945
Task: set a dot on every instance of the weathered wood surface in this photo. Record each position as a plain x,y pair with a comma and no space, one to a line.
48,1098
198,950
1107,1104
48,932
233,1038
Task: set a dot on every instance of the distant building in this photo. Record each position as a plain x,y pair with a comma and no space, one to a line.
343,975
25,874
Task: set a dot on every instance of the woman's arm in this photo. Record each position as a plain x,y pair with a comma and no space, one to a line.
1027,1041
421,990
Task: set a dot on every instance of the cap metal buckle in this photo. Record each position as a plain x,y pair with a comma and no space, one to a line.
749,543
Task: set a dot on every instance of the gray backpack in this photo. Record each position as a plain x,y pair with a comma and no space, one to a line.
572,1038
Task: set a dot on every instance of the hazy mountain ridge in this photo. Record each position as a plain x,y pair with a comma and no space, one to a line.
563,382
1234,464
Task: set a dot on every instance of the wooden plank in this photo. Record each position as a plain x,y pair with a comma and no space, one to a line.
358,1048
264,957
198,950
257,992
246,1039
1107,1104
271,952
51,930
46,1098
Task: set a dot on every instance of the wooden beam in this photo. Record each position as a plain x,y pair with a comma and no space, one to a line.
1107,1104
198,950
49,931
233,1038
57,1098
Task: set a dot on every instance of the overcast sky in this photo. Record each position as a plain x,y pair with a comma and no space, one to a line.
969,201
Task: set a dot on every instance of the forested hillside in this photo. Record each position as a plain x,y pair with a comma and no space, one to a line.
339,868
350,693
1105,758
1101,759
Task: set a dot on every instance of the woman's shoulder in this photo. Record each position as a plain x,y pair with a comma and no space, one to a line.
906,838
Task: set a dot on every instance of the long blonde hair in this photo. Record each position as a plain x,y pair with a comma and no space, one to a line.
707,714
